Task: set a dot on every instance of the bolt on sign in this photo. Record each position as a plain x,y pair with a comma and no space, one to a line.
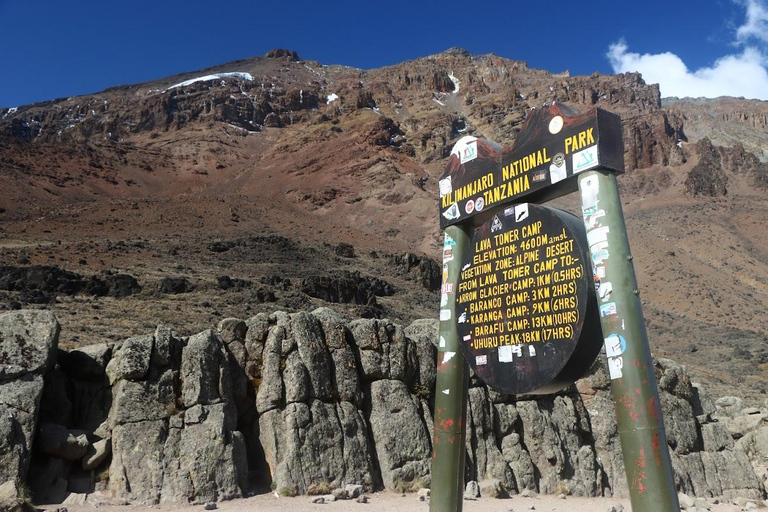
555,144
526,311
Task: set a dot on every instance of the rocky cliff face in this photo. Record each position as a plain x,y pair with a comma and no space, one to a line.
310,402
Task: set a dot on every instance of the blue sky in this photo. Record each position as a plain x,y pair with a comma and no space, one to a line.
51,49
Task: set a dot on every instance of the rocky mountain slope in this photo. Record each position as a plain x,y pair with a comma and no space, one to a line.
277,183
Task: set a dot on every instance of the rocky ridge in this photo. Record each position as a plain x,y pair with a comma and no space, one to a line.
311,402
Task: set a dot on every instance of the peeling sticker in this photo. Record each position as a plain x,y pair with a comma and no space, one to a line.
462,318
600,271
585,159
465,267
447,356
615,345
605,290
448,240
447,254
445,314
505,354
597,235
615,364
518,350
531,351
443,300
446,391
452,212
481,360
608,309
442,342
590,186
593,221
445,186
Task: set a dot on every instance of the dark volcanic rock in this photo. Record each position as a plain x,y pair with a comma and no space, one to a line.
707,178
347,287
175,285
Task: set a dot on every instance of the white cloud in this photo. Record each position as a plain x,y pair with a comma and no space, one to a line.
741,74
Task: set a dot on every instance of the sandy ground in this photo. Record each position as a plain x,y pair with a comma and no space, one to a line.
390,502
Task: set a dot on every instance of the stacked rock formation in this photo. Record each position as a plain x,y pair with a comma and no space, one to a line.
311,402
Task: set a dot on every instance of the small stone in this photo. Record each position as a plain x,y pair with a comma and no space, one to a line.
329,498
353,490
526,493
210,506
751,505
685,501
422,498
362,499
319,500
472,491
561,496
340,494
424,492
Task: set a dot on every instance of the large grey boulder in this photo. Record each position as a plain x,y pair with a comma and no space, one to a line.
28,342
308,444
137,467
204,376
400,435
485,457
131,361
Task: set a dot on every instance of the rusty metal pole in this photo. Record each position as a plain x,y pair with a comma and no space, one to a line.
448,446
633,384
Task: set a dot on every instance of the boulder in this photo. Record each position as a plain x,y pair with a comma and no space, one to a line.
59,441
204,379
399,434
131,361
28,343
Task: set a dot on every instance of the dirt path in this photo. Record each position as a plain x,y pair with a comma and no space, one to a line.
389,502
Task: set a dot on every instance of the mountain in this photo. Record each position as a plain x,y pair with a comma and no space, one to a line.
278,183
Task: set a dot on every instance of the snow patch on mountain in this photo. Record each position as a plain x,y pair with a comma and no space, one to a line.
217,76
455,83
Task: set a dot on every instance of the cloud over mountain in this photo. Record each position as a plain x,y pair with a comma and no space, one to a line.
743,73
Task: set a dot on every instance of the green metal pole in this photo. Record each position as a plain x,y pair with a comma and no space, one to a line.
633,384
449,451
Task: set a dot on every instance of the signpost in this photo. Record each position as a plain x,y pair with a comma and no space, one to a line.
529,295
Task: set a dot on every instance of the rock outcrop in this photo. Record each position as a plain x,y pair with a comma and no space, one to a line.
311,402
28,342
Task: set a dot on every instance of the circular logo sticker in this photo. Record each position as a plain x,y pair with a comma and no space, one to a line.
555,125
470,206
479,204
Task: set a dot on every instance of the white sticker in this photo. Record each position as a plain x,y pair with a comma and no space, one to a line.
517,350
470,206
605,290
444,300
505,354
585,159
463,318
446,288
608,309
496,224
467,338
445,186
597,235
590,186
531,351
465,267
521,212
555,125
446,391
460,148
615,345
557,169
508,212
447,254
448,241
447,356
479,204
469,152
445,314
600,271
615,364
452,212
442,342
481,360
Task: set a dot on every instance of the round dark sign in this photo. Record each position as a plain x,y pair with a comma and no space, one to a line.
523,296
